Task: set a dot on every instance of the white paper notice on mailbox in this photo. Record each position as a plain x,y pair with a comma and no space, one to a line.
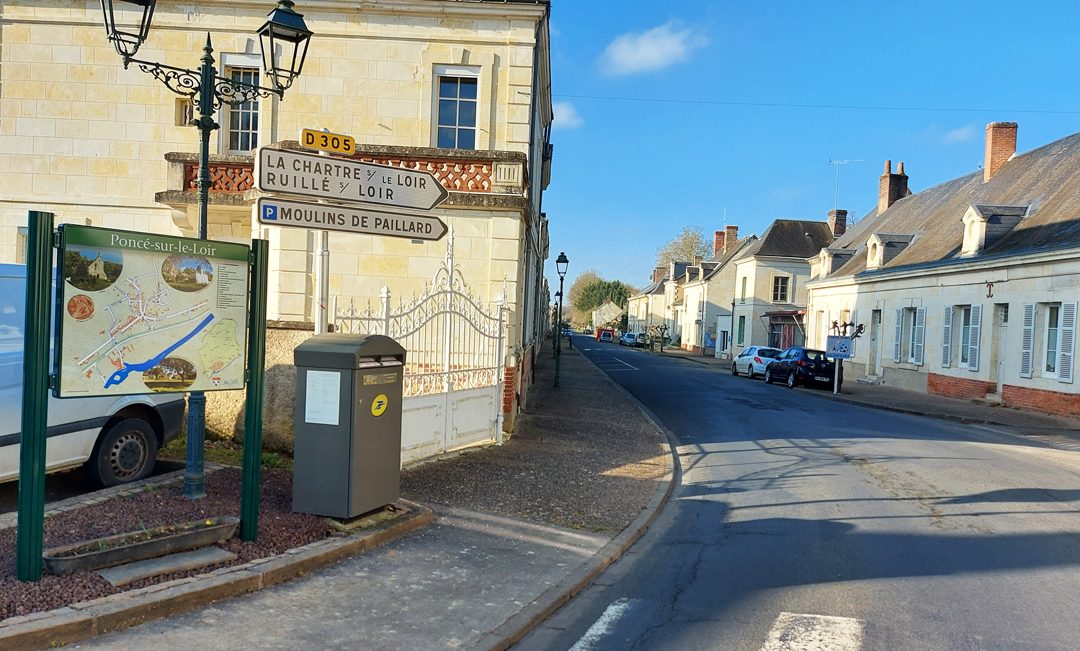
322,390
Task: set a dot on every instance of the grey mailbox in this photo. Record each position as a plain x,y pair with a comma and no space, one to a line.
347,434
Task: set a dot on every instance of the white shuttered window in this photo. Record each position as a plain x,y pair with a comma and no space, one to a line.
898,339
973,346
1027,341
1067,342
946,339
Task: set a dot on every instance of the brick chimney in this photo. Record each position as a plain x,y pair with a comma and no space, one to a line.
891,187
697,260
658,274
731,236
838,222
717,242
1000,146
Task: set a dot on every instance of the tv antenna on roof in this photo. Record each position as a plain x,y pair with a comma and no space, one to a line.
838,163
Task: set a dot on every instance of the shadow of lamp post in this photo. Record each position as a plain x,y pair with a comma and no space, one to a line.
560,264
283,38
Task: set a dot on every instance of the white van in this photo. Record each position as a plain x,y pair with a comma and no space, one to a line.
116,438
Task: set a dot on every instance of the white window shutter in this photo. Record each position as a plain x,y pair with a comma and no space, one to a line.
1027,341
1067,341
920,335
899,335
976,326
946,339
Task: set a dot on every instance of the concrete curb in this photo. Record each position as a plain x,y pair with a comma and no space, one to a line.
115,612
536,612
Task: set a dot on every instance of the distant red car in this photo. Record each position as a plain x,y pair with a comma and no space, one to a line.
605,334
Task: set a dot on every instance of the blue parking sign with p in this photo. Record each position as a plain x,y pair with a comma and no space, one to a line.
270,212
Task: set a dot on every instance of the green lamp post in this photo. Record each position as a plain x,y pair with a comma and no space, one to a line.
561,263
283,38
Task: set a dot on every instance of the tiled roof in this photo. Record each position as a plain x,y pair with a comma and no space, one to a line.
792,238
1044,180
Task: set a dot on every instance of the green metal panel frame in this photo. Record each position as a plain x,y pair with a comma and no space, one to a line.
30,538
253,405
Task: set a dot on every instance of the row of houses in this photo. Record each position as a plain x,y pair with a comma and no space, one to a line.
968,289
458,88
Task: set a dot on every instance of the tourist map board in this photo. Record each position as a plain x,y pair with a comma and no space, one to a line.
142,313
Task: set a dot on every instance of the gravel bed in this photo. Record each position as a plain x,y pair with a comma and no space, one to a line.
279,529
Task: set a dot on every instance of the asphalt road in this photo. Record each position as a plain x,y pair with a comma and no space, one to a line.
802,523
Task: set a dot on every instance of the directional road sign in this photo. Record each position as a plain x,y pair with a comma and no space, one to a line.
341,179
324,216
326,141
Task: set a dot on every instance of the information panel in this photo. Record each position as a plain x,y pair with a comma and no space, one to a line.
142,313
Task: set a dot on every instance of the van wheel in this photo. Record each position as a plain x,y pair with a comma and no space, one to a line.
124,452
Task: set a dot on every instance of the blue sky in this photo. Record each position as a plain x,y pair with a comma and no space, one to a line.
669,113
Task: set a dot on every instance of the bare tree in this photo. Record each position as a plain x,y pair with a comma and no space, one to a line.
690,242
584,279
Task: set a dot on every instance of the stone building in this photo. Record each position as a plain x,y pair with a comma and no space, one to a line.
968,289
460,88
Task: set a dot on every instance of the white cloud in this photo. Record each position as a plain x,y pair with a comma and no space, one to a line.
651,50
566,116
963,134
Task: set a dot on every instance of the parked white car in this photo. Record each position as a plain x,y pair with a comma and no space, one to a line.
753,360
116,438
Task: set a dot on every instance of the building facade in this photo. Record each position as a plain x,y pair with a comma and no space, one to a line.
457,88
968,289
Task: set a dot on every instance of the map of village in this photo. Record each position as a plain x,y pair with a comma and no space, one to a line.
138,321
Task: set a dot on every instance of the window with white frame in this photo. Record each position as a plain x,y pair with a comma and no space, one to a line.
780,289
240,122
910,320
456,105
965,334
1051,338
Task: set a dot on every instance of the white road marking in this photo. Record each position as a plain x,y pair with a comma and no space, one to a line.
604,624
792,632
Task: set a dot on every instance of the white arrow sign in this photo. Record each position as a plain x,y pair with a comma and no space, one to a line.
340,179
324,216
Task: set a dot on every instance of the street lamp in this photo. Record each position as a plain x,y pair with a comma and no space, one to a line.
284,37
561,263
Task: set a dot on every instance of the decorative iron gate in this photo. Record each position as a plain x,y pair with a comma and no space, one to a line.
454,363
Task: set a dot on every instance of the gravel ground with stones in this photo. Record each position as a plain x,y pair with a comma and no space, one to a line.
582,457
279,529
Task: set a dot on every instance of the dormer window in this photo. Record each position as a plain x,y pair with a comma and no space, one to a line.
985,225
883,247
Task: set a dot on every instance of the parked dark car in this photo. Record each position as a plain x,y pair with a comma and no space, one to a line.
805,366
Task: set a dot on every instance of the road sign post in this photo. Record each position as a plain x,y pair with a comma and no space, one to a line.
839,348
325,216
341,179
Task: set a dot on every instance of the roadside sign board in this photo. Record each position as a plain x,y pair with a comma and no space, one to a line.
838,347
340,179
325,216
142,313
326,141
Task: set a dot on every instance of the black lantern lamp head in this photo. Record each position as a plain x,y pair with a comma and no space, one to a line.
286,33
127,40
561,263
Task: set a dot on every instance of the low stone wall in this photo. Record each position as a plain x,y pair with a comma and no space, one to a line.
225,409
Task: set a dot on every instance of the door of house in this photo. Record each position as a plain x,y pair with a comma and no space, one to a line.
873,366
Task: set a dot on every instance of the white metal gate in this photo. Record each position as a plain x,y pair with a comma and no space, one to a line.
454,362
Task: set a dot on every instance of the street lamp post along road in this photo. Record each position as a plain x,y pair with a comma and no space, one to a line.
561,263
283,37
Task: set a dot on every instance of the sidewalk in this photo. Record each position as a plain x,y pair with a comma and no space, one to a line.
518,530
889,398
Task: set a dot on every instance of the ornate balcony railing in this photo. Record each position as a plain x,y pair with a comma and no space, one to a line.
459,171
